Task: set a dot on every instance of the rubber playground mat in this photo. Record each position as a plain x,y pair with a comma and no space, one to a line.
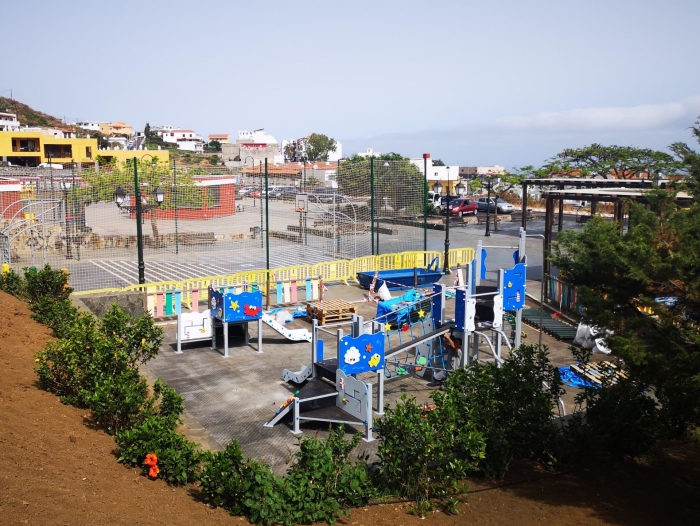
552,326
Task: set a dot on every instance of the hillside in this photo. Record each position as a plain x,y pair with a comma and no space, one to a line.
29,116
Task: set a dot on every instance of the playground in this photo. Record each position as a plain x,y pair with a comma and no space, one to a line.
265,387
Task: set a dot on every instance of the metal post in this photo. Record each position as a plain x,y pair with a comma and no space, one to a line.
371,200
426,156
139,235
446,263
177,240
267,233
262,239
488,209
524,206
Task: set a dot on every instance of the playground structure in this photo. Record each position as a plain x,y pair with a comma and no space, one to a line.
410,334
235,304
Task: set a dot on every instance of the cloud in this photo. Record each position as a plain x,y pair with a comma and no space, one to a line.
644,117
352,355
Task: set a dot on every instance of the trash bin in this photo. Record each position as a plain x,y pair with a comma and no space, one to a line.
256,231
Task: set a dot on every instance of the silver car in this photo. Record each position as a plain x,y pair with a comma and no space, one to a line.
503,207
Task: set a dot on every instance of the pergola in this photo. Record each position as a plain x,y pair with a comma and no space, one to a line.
616,191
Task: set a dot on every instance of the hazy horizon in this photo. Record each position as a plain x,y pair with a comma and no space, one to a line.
507,83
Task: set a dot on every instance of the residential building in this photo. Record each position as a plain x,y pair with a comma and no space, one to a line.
91,126
471,172
369,152
33,147
223,138
117,128
252,147
9,122
186,140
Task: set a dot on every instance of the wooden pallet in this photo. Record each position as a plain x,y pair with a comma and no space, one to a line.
594,372
330,311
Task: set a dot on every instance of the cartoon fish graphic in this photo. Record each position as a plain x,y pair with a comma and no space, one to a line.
374,360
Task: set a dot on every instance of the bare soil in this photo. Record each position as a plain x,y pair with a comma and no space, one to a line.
55,469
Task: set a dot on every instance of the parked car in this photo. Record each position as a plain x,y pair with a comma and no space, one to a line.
288,193
245,191
462,206
325,194
494,203
278,191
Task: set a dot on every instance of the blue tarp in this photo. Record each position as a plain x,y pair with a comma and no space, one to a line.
393,311
571,379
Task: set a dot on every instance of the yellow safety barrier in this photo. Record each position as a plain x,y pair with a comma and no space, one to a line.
340,270
463,256
333,270
296,272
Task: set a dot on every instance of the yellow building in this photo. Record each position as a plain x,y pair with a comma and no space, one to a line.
116,128
31,148
107,156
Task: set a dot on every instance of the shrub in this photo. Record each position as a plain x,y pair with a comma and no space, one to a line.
319,485
621,418
46,282
417,450
510,406
12,283
95,365
178,458
58,315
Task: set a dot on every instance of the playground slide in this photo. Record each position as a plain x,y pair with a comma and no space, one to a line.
278,416
297,335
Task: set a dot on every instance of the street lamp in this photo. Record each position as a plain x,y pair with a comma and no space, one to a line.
487,181
120,195
437,188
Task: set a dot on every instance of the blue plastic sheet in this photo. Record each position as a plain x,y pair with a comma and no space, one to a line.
571,379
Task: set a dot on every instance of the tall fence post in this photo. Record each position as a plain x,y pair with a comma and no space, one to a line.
426,156
267,234
177,242
371,197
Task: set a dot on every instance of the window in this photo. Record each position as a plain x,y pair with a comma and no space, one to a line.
88,152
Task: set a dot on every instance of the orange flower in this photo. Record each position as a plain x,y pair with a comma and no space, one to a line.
153,472
151,460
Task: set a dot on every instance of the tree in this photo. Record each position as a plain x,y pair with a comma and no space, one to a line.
618,275
318,146
438,162
214,146
147,131
214,160
622,162
152,174
398,184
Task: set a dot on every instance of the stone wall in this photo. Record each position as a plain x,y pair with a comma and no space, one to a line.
133,303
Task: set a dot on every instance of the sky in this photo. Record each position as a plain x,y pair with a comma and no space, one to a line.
507,82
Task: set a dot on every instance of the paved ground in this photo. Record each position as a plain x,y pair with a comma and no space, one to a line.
234,397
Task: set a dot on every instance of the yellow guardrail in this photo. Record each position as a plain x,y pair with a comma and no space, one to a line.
329,271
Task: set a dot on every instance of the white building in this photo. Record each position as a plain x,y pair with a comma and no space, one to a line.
186,140
369,152
92,126
160,130
9,122
252,147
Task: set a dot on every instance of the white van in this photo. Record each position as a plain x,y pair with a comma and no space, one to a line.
435,199
53,166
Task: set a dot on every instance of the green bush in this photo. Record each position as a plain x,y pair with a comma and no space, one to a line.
12,283
511,406
95,365
178,458
418,450
58,315
322,482
620,419
46,282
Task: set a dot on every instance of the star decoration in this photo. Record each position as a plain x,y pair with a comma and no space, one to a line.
234,305
368,347
387,327
421,313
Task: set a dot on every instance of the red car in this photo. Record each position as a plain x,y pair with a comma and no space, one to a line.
463,206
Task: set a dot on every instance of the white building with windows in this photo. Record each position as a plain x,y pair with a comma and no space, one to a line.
186,140
9,122
92,126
